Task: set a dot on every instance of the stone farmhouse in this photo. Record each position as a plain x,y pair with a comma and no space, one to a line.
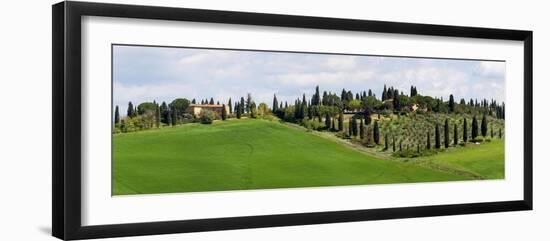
196,109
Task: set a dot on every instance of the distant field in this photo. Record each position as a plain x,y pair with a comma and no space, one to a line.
485,160
259,154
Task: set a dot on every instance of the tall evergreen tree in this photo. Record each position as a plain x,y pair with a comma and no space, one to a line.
384,93
437,137
362,130
230,106
211,101
500,133
248,104
484,126
157,116
446,133
275,103
376,133
333,125
242,106
354,126
341,121
465,131
492,133
350,127
239,110
327,120
117,115
428,144
475,129
316,99
455,136
451,103
368,120
174,116
131,110
224,112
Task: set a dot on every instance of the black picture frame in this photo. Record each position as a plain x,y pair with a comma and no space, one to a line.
66,122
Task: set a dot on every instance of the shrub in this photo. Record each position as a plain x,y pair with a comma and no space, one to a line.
207,116
312,124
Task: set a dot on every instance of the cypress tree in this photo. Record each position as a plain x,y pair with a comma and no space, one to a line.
475,129
327,120
224,113
341,121
211,101
333,125
451,103
393,142
446,133
362,130
157,116
174,117
465,131
350,127
500,133
275,103
230,105
117,115
484,126
354,126
239,110
428,144
130,112
368,120
455,136
384,93
376,133
492,133
437,137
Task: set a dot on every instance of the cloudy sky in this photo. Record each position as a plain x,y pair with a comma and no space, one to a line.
162,74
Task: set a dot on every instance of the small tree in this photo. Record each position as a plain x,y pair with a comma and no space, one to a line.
437,137
341,121
362,130
376,133
350,126
157,116
224,112
475,129
117,115
428,144
206,116
455,135
465,131
484,126
239,110
131,110
446,133
500,133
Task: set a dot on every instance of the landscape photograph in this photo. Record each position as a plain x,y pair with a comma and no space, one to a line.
201,119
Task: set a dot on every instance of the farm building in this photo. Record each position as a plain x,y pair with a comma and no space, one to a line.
196,109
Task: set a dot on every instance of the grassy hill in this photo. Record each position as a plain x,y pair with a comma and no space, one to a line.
252,154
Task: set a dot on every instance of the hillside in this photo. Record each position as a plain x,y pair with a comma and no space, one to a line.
248,154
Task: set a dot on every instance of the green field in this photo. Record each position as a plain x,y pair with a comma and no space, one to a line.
258,154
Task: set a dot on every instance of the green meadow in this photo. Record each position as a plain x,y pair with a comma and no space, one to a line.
241,154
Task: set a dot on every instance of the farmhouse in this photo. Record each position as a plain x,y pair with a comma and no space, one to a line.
196,109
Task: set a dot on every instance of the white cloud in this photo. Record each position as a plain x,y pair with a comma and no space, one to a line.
341,62
490,68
